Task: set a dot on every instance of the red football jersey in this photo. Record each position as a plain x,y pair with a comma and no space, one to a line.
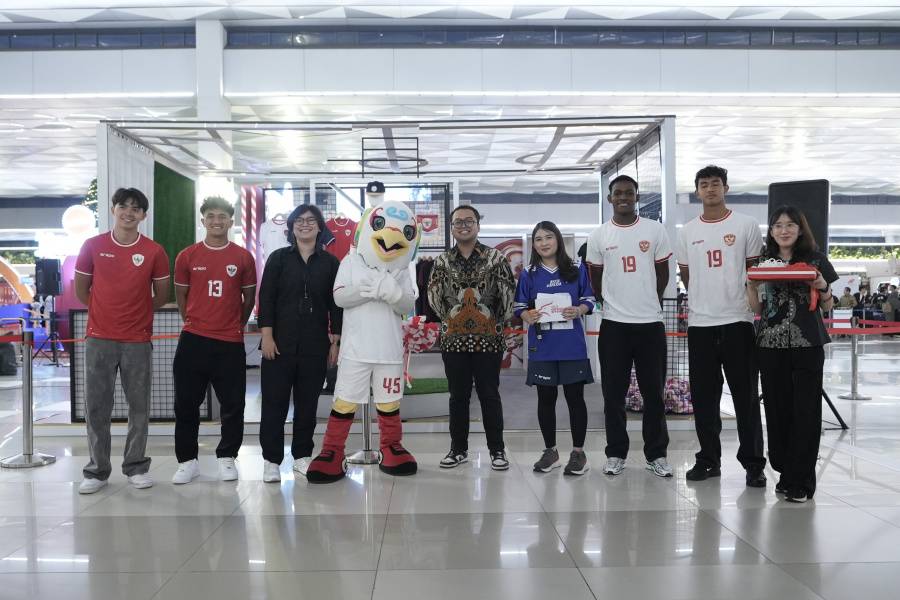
343,230
216,277
121,302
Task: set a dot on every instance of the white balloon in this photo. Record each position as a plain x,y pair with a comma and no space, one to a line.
78,220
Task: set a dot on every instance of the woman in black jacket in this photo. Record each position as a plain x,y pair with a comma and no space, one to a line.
301,326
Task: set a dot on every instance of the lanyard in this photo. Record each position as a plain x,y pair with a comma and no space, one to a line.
305,268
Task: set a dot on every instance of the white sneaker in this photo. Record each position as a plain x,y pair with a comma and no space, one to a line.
660,467
227,469
271,472
187,472
141,481
614,465
302,464
91,486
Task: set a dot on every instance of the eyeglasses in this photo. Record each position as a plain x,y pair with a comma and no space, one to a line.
309,221
785,226
459,223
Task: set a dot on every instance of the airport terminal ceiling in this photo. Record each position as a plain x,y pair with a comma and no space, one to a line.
48,145
484,155
460,11
853,142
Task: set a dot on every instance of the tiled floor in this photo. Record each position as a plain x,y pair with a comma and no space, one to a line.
465,533
471,532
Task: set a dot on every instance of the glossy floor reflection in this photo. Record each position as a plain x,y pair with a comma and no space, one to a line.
470,532
465,533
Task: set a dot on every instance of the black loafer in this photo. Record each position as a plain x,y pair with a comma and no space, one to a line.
756,478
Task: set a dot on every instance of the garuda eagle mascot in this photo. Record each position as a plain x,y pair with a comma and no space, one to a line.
374,288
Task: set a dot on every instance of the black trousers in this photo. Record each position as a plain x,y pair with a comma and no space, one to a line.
643,344
462,368
731,348
286,374
792,396
574,393
199,362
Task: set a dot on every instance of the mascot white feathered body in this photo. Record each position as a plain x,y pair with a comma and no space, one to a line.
374,287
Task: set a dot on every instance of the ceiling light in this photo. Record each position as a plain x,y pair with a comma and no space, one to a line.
53,126
561,93
96,95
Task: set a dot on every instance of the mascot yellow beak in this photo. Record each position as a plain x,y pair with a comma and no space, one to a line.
389,243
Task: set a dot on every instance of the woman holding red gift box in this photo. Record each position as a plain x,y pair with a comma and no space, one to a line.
791,339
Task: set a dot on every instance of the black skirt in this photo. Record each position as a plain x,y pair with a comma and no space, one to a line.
559,372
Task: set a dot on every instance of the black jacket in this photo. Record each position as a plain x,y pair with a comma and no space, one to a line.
300,327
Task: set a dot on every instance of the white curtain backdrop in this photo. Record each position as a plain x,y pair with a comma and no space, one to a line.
122,162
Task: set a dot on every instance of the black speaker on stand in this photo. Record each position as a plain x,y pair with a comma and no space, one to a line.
48,283
47,277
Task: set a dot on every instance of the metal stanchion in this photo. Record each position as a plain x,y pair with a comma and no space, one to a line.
366,456
28,458
854,367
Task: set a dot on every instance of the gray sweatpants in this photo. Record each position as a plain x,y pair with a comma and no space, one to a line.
103,358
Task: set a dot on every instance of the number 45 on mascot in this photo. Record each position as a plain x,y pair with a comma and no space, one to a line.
374,287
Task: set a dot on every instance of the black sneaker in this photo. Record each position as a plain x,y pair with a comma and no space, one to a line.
755,477
577,465
796,495
499,461
454,458
548,461
701,472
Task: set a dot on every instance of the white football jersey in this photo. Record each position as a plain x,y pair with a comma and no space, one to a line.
628,254
716,252
272,236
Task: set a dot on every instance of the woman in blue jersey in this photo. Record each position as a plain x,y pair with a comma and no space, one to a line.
552,296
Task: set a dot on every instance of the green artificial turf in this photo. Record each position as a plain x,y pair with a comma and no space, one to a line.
427,385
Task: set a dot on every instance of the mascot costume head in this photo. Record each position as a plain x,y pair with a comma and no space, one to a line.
387,236
374,287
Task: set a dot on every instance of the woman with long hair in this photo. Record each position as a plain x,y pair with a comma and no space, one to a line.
557,354
790,342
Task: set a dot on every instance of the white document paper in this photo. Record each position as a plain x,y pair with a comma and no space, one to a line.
551,306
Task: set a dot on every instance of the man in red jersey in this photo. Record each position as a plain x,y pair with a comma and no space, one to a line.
122,276
215,285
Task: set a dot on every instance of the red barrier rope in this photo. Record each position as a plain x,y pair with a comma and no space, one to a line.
882,324
858,331
880,329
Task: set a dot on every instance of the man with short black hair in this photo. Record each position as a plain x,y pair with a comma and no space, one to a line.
629,262
215,286
472,289
847,300
122,276
713,252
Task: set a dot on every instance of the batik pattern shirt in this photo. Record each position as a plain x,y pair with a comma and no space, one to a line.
473,298
786,321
